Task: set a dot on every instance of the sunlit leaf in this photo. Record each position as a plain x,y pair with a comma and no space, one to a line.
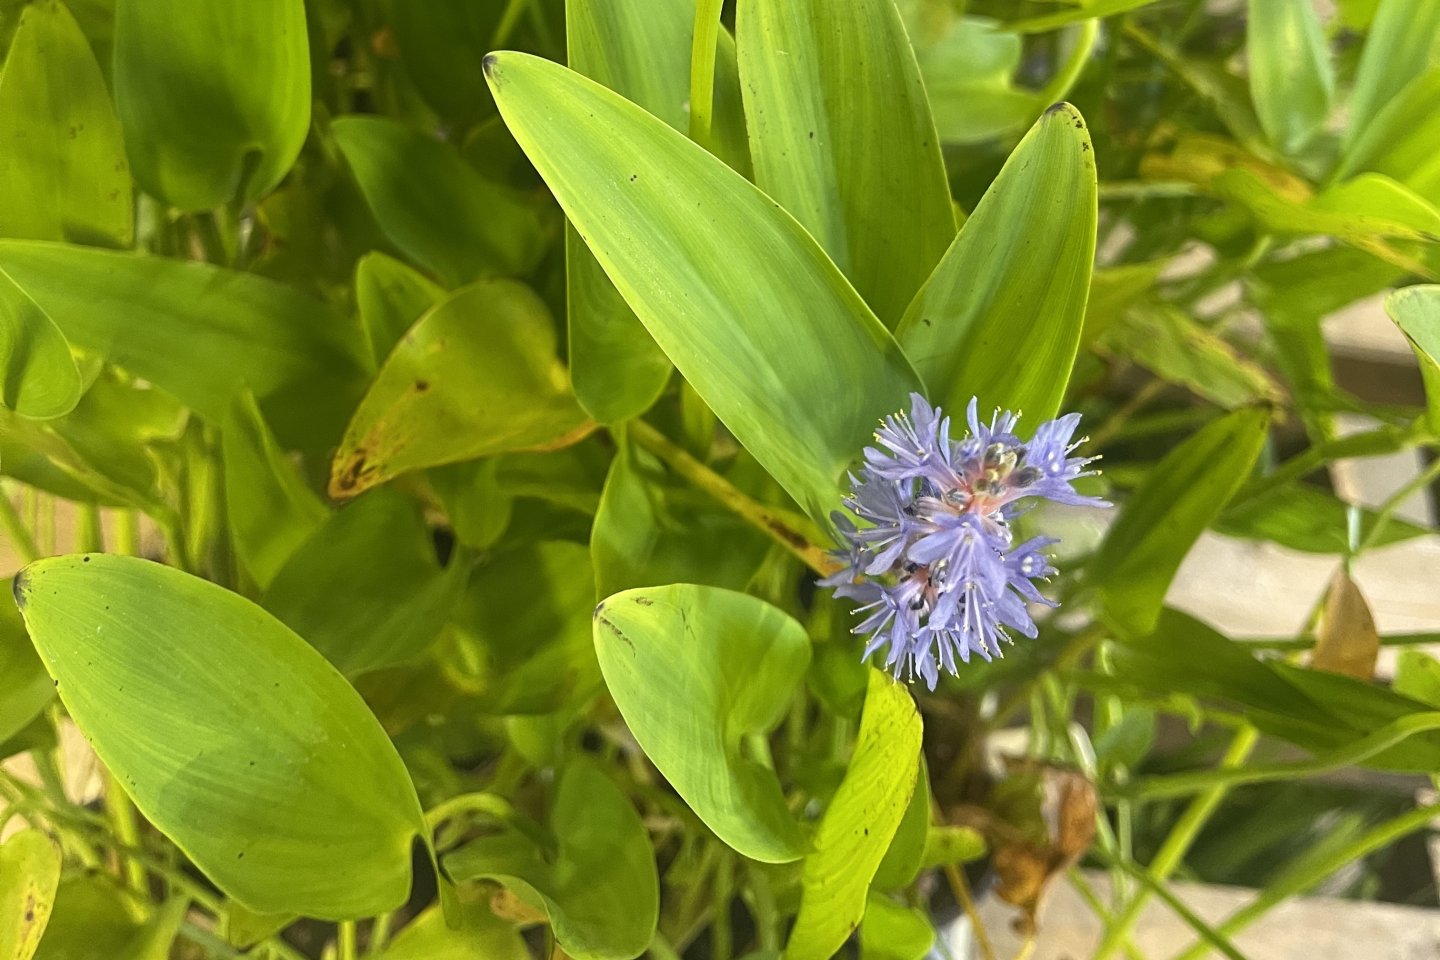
892,931
1291,80
29,874
693,670
1398,48
1000,318
233,736
1416,311
480,934
765,334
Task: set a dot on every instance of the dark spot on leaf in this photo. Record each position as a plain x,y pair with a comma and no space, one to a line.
634,177
644,601
422,385
927,321
240,855
488,65
85,559
1079,124
781,530
1084,147
18,589
1054,107
812,134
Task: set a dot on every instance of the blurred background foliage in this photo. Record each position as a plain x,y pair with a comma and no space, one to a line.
284,304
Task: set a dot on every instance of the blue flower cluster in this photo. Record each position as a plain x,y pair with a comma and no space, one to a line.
932,561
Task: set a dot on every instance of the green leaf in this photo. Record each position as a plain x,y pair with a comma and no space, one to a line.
439,211
969,65
198,145
391,297
859,823
27,686
1087,10
1175,347
94,919
902,860
893,931
63,174
366,589
1303,517
480,934
768,333
1000,318
476,375
29,874
438,41
641,50
270,509
1179,498
693,670
649,532
234,737
1416,311
1417,675
1400,46
841,136
1399,140
202,333
944,844
38,376
598,883
1291,79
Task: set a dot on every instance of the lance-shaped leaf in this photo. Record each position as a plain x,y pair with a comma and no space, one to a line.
1000,318
27,686
693,670
233,736
198,145
62,162
202,333
860,822
38,376
1398,49
476,375
1416,311
1291,80
598,885
641,50
1178,499
770,334
841,135
29,874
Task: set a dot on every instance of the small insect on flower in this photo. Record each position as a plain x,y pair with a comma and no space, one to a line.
932,560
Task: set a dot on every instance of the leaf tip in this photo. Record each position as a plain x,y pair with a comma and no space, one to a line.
488,64
20,588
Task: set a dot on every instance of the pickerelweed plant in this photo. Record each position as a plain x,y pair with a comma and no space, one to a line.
421,423
934,564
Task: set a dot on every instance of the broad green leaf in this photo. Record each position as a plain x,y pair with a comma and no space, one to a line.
270,509
1000,318
902,860
1304,517
439,211
1179,498
893,931
29,874
650,532
770,335
62,161
27,686
1416,311
859,823
475,503
598,884
198,145
946,844
641,50
366,589
94,919
38,376
693,670
969,65
234,737
1390,206
1291,79
1417,675
481,934
841,136
202,333
391,297
1399,140
1172,345
525,657
1403,41
476,375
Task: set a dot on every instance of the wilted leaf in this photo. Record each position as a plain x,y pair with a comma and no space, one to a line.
1347,641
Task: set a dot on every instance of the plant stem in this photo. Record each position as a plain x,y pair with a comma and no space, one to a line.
511,16
1177,843
960,888
89,531
487,803
14,528
127,831
345,939
783,530
702,69
380,934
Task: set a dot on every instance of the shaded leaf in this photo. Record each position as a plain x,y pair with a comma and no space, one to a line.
480,934
1416,311
969,65
233,736
476,375
893,931
1000,317
29,875
1303,517
200,145
693,669
63,172
27,686
391,297
902,861
1417,675
765,333
38,376
835,107
1291,80
1400,45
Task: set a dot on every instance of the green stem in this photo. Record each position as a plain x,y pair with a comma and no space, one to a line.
1177,843
345,939
513,11
486,803
15,529
127,533
720,943
780,528
1179,784
127,831
1061,83
702,69
380,933
89,532
1362,846
1393,502
1207,934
